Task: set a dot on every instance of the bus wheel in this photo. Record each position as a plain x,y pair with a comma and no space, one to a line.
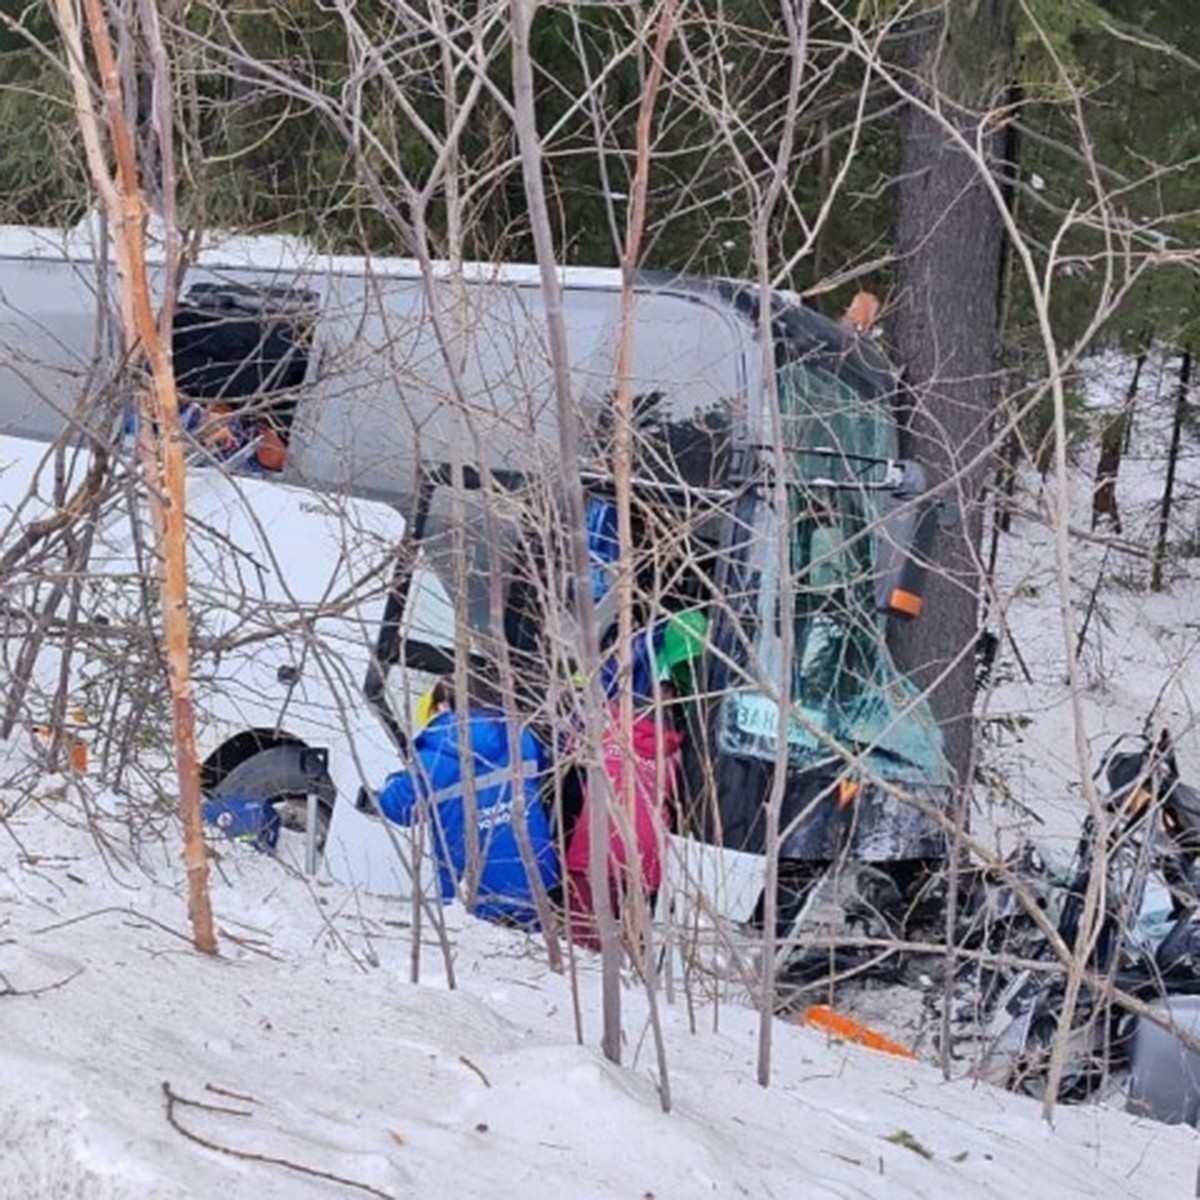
285,776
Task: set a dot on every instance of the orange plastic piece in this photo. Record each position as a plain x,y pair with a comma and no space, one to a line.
862,312
847,792
272,451
849,1030
907,603
77,750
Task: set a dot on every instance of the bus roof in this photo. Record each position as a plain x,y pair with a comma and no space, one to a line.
283,252
794,323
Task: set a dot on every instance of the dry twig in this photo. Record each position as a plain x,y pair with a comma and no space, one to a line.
174,1100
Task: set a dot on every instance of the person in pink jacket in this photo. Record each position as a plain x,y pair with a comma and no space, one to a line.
639,863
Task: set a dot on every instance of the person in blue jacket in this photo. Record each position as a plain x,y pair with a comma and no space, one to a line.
433,789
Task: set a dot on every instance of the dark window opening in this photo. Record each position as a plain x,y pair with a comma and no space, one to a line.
672,444
241,353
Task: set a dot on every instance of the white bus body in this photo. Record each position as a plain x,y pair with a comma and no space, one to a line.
375,371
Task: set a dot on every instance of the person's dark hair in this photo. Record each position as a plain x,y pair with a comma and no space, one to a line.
443,693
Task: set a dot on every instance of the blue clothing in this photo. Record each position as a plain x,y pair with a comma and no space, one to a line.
642,648
433,788
603,546
668,650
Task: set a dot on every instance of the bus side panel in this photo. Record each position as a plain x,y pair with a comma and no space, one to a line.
400,383
49,348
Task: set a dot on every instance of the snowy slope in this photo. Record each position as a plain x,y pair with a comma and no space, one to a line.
1140,658
308,1046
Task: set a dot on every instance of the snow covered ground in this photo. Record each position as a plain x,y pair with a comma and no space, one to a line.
304,1062
1140,655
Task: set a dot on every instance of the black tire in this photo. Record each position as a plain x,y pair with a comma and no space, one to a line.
278,776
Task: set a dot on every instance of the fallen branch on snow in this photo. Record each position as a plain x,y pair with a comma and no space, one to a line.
173,1100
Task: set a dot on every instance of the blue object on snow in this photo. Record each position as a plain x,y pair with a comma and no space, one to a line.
244,820
433,788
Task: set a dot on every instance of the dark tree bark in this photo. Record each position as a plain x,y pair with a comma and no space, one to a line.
1168,492
950,238
1104,493
1112,447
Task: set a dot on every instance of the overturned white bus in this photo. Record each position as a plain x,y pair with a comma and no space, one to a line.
410,416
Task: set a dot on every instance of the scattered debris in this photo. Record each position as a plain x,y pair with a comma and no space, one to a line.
1125,909
850,1030
903,1138
175,1101
466,1062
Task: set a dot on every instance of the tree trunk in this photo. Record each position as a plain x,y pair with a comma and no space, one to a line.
530,150
950,239
1168,493
1112,446
159,410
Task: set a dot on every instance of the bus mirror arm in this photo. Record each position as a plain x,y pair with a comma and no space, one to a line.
907,479
388,644
391,645
415,655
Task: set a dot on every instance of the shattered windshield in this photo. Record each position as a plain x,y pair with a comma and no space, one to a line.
844,688
837,443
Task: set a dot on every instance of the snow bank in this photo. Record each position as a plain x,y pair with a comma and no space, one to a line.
304,1052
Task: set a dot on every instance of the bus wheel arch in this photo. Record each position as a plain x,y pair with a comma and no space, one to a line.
235,750
284,773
